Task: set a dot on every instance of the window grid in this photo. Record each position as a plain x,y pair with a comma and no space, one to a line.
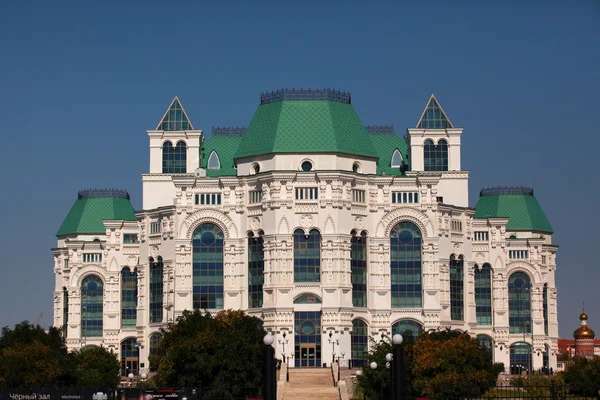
256,268
155,339
405,197
307,256
486,342
92,309
307,299
92,257
307,329
358,196
155,227
520,357
174,158
128,298
436,157
405,252
129,350
255,196
207,245
156,291
175,119
457,301
413,327
129,238
544,260
358,265
456,226
519,303
359,342
481,236
209,199
518,254
483,294
307,193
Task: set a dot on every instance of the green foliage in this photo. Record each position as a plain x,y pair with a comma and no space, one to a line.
539,385
97,367
224,352
583,376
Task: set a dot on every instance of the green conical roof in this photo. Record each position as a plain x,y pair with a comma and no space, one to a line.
291,121
92,207
518,204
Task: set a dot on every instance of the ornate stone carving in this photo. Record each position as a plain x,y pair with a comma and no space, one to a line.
388,221
359,222
255,223
208,215
306,221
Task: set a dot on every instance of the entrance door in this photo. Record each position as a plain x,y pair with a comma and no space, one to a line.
308,355
131,365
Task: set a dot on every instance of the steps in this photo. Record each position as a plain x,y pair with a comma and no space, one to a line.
310,383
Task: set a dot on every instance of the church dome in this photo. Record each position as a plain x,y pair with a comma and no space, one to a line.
584,331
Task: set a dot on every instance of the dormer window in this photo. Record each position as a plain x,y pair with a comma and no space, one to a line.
213,161
397,159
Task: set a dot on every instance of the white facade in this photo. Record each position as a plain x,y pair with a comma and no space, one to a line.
441,213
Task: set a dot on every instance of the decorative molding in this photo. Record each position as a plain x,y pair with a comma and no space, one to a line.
392,218
218,218
82,272
284,227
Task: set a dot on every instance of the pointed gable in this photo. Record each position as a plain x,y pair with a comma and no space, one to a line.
434,117
175,119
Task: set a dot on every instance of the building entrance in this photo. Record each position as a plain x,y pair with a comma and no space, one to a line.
308,354
307,339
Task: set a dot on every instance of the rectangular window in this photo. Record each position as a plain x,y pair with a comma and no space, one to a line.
255,196
130,238
92,257
439,199
209,199
307,193
456,226
358,196
66,263
154,227
405,197
544,260
481,236
518,254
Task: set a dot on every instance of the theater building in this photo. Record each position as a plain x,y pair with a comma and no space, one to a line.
328,230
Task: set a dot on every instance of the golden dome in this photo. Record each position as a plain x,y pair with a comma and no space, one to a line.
584,332
583,316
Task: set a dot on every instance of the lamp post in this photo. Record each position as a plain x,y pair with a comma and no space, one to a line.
269,383
359,373
287,364
283,341
333,342
397,367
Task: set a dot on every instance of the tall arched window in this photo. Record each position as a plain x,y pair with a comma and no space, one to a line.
256,269
486,342
435,157
413,327
483,294
358,265
545,305
156,290
520,357
359,342
154,340
174,158
213,161
130,357
92,309
519,303
307,256
207,246
405,253
65,311
128,298
457,283
396,159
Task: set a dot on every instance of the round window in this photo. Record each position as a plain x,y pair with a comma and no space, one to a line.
355,167
307,327
405,237
208,238
306,166
92,286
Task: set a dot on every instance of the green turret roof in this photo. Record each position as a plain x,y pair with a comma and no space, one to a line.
94,206
518,204
385,142
225,147
286,122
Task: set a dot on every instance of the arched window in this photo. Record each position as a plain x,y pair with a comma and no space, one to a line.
405,253
408,327
486,342
545,305
483,294
520,357
359,343
545,360
154,340
156,290
213,161
358,266
174,158
128,298
65,311
92,310
256,269
307,299
207,246
130,356
397,159
307,256
519,303
457,283
435,157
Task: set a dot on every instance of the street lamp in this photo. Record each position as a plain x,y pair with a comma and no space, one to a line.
338,364
269,383
283,342
358,374
397,367
333,342
287,364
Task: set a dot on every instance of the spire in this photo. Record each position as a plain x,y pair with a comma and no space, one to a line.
175,119
433,116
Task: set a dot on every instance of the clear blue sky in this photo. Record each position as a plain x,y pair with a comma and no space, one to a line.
81,82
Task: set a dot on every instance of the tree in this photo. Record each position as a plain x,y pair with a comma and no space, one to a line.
445,360
97,367
224,352
583,376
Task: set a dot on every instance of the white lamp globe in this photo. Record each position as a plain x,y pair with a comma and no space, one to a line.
144,376
389,357
130,376
373,365
359,372
397,339
268,339
387,365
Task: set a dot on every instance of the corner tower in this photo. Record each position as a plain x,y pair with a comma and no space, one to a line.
174,150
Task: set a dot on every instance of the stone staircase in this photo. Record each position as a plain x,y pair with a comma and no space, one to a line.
310,383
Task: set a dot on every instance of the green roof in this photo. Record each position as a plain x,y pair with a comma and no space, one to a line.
225,147
522,209
306,126
385,145
94,206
